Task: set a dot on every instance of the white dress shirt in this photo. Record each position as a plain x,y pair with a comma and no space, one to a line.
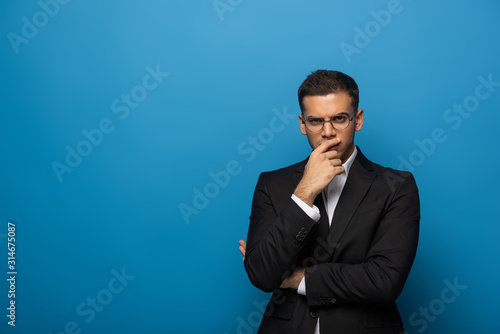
331,195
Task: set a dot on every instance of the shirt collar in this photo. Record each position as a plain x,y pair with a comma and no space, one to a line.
347,165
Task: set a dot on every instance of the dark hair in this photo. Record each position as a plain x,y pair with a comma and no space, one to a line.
324,82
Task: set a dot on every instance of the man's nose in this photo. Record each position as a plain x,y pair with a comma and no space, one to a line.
328,130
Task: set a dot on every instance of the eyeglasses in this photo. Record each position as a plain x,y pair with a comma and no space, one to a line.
338,122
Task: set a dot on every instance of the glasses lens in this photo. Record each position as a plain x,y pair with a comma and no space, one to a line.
314,124
340,122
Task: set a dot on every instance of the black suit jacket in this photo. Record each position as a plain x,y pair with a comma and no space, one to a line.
355,270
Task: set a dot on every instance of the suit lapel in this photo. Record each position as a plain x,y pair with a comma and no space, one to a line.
358,182
297,176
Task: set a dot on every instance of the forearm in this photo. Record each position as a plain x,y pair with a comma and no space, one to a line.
374,281
271,254
278,230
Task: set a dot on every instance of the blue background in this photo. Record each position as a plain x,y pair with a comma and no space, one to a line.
120,207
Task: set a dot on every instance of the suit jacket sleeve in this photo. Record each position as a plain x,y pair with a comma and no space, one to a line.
381,276
276,236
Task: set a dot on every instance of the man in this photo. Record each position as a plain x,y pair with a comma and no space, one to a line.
334,236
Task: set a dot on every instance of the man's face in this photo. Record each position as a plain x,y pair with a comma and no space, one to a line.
327,106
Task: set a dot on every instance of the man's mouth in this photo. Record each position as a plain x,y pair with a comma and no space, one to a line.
334,147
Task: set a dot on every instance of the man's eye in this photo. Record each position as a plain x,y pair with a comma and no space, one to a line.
315,121
339,118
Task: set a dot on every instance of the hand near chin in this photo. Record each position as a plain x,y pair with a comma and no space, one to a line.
322,167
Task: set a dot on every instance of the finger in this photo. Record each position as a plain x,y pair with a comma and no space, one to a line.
324,146
243,243
336,162
331,155
242,250
338,170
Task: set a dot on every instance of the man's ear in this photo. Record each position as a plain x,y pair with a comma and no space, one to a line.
302,124
359,119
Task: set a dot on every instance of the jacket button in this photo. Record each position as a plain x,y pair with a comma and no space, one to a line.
314,314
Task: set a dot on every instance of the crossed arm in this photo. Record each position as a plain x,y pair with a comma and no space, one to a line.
292,281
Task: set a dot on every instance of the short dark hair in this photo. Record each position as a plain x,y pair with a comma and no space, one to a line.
324,82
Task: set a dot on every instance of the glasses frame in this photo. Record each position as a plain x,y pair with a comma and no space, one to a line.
304,120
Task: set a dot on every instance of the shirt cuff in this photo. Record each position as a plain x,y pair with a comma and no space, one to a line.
313,212
301,290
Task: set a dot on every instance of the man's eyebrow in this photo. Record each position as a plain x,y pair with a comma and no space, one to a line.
343,113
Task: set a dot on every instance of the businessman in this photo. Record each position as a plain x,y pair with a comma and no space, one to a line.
334,236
